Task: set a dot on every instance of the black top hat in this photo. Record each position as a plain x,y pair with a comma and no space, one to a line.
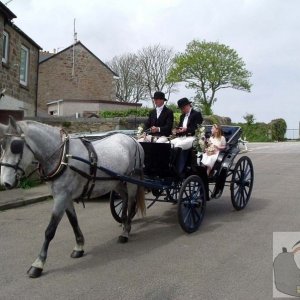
159,95
182,102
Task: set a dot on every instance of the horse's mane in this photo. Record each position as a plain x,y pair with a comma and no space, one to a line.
47,128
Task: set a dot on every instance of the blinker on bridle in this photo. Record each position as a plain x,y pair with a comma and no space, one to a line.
16,147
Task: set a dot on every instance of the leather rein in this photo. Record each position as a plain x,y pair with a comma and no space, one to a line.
59,168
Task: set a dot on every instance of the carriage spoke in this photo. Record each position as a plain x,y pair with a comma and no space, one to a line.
191,204
242,182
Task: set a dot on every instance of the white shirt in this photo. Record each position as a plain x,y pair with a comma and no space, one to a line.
185,120
159,110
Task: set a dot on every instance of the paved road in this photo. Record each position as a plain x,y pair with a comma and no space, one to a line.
230,257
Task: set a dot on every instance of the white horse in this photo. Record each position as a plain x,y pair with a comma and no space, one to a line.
70,168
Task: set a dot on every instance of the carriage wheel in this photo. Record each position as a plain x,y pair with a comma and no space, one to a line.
241,183
191,203
116,206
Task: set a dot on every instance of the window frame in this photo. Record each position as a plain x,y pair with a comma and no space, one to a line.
26,71
5,47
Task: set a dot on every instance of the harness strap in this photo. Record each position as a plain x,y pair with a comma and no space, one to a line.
137,150
88,189
87,176
63,161
15,167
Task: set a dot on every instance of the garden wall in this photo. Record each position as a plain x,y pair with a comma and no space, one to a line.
90,125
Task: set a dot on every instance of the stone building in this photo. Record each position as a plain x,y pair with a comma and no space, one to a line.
18,69
76,82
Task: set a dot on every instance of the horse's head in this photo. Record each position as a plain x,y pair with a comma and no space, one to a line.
15,154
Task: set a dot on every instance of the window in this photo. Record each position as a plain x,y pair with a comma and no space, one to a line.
5,47
53,112
24,65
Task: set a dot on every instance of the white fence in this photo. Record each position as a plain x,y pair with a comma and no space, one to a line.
292,134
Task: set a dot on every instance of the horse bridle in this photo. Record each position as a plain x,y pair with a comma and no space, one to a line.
16,147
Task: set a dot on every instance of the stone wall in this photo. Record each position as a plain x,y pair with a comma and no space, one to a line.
90,125
19,96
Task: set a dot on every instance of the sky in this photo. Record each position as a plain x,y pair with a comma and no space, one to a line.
265,34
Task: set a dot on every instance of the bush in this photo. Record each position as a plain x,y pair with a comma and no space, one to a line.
257,132
176,119
174,108
278,129
27,183
139,112
66,124
211,119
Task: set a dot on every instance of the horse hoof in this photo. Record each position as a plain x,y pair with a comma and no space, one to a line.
34,272
77,254
123,239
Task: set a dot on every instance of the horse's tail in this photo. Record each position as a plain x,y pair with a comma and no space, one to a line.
140,195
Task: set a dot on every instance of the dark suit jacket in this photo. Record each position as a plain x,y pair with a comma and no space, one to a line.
195,118
165,121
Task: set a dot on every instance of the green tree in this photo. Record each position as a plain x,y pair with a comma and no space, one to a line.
208,67
249,118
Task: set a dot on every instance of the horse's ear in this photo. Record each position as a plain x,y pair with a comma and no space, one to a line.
12,123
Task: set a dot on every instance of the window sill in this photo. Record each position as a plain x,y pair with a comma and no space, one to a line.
25,87
5,65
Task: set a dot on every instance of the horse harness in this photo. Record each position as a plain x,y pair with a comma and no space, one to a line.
93,162
17,147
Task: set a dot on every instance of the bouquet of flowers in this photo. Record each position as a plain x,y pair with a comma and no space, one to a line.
140,129
200,141
210,149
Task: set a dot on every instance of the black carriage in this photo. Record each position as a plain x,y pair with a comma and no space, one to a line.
192,188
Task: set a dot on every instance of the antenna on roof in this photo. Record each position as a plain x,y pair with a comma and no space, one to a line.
74,42
7,2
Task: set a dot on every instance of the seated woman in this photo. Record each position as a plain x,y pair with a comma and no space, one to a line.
216,143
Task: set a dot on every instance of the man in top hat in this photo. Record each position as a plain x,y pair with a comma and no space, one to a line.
160,120
189,120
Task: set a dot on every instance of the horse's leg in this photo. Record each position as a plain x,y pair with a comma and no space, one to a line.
37,267
121,188
78,249
129,212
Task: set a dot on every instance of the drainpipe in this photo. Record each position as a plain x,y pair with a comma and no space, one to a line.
37,83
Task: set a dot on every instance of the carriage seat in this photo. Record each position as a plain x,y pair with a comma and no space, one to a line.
231,133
